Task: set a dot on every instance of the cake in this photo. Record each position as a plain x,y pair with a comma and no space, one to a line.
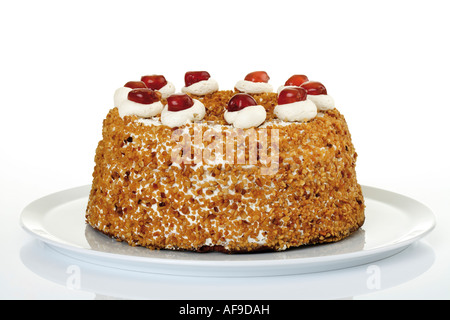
237,171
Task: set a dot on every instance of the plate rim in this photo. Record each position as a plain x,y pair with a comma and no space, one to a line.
78,192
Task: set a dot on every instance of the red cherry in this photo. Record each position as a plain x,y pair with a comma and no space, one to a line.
135,84
296,80
154,81
179,101
143,95
240,101
257,76
192,77
290,95
314,88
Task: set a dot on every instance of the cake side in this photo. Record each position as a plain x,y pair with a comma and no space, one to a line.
142,196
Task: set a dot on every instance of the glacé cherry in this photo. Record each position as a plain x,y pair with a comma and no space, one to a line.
290,95
135,84
257,76
179,101
154,81
296,80
143,95
314,88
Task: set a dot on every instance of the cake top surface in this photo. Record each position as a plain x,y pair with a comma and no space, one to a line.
250,104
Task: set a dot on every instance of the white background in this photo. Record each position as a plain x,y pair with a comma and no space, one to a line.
384,62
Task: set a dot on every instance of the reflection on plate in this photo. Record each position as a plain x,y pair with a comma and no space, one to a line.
97,282
393,222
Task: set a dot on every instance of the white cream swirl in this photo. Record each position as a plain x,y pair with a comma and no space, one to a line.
178,118
129,108
121,95
202,87
253,87
251,116
167,90
296,111
323,102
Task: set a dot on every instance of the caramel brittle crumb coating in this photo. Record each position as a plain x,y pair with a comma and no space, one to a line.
142,196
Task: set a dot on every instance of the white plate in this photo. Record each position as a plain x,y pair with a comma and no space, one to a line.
393,222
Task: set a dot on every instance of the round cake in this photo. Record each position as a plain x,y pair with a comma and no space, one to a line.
242,170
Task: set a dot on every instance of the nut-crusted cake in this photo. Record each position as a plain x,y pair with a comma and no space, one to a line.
238,170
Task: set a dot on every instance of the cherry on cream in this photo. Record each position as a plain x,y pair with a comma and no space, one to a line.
293,105
255,82
318,94
243,112
181,109
199,83
240,101
192,77
141,102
